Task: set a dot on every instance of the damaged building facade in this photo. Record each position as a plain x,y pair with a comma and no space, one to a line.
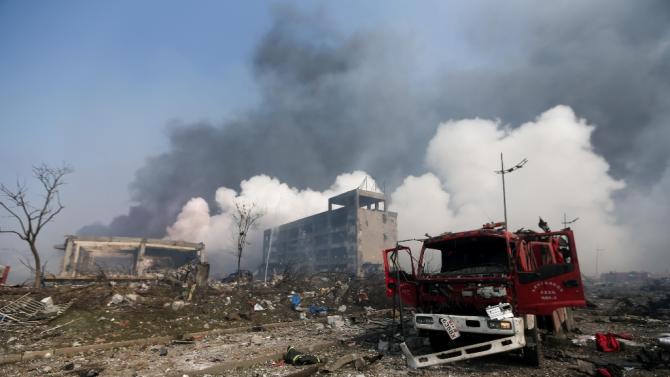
124,257
349,237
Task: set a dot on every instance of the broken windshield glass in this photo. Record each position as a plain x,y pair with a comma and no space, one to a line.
462,256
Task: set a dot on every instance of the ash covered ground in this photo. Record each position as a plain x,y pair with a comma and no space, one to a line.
221,331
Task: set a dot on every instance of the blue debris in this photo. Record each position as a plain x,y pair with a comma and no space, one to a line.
295,300
314,309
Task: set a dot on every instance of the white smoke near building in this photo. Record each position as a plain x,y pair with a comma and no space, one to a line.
563,176
459,191
278,202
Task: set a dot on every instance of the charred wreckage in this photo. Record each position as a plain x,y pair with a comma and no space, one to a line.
469,294
89,258
486,291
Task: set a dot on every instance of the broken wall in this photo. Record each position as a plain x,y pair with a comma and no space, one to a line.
377,231
124,257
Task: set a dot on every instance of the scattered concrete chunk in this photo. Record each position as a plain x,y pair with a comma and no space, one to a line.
132,297
116,299
344,360
335,321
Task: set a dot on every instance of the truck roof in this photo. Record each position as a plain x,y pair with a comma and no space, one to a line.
482,232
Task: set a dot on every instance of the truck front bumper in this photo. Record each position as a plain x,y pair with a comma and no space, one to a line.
514,340
467,324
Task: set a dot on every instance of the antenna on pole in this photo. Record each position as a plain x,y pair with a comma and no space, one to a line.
566,222
502,172
364,185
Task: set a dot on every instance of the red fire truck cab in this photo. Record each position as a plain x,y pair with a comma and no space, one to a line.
481,292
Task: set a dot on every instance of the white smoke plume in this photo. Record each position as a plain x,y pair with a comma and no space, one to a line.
459,191
563,175
646,213
279,203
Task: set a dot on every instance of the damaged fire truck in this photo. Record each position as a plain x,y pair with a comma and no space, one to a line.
485,291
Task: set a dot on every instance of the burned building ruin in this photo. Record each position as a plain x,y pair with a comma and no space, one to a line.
348,238
124,258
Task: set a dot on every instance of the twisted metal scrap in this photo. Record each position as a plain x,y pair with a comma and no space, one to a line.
28,311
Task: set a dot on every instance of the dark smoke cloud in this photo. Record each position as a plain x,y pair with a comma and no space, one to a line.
332,102
610,61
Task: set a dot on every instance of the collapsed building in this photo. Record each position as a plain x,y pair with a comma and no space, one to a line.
349,237
124,258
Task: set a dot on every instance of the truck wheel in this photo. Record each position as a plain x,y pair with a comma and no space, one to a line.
532,352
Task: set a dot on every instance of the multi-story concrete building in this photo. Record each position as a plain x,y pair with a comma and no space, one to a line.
348,238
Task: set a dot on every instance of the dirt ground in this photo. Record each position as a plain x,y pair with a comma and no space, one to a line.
219,333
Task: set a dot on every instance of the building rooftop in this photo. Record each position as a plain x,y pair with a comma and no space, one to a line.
150,242
365,198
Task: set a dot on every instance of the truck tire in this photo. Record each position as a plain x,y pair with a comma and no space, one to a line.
532,352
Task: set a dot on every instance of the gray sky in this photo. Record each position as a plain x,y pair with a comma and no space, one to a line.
154,102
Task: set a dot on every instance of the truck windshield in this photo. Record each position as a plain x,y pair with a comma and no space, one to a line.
468,255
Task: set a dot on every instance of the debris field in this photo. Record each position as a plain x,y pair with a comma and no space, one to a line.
335,324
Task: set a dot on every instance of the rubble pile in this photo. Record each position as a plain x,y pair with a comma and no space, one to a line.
101,312
312,325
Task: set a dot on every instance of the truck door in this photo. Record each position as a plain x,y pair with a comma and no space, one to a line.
400,274
552,283
541,253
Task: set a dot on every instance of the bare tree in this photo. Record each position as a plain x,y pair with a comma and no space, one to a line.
245,218
29,266
30,219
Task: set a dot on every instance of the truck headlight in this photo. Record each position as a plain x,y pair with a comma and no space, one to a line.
424,320
500,325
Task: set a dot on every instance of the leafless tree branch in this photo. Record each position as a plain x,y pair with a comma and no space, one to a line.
245,217
14,198
31,219
21,236
26,263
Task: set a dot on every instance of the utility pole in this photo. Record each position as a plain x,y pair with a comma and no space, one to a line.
566,222
267,258
502,172
598,250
